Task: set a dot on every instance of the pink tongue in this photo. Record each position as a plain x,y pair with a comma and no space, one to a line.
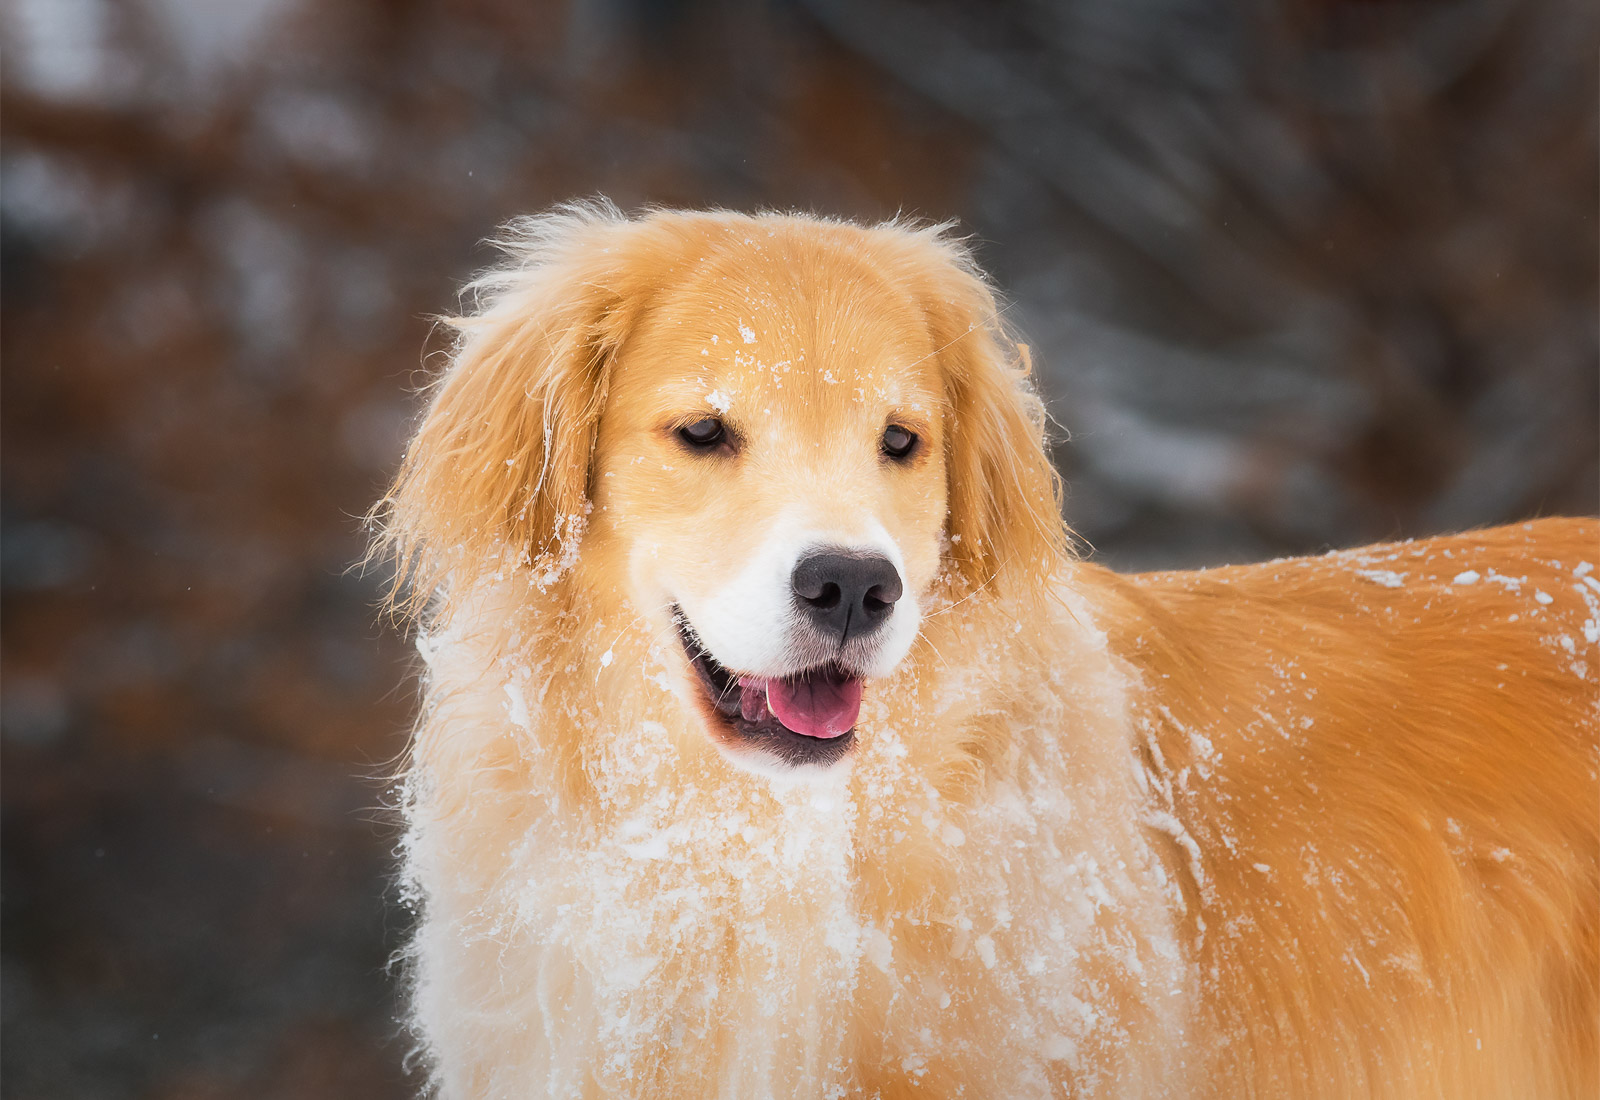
819,704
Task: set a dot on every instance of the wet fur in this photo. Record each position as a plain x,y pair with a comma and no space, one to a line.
1318,828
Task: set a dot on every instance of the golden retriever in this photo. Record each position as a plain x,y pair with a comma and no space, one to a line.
775,743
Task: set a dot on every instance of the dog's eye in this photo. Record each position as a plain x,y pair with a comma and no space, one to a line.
898,442
704,434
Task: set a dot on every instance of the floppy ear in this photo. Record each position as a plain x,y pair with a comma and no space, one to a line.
497,473
1004,518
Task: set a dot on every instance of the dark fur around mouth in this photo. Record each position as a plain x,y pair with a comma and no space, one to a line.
721,697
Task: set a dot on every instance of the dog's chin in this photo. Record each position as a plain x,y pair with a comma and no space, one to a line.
744,717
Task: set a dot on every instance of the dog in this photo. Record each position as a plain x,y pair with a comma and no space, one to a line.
775,741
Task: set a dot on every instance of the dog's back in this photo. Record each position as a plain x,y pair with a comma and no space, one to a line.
1388,760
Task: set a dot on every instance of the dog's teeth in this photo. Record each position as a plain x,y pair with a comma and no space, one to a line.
752,700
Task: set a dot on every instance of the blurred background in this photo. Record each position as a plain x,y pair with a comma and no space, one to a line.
1296,274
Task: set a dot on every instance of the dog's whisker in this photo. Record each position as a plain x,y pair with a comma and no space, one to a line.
970,595
930,644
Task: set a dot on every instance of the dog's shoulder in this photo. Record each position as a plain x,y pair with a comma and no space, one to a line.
1437,684
1386,758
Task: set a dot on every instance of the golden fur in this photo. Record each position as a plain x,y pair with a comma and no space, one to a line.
1314,828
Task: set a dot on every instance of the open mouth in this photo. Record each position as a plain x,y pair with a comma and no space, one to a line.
805,719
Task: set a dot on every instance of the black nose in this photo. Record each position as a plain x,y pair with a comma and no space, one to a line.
846,594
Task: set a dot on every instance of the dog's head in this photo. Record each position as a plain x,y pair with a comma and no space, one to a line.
775,435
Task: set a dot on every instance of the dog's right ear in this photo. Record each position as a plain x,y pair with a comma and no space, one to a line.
1004,521
497,473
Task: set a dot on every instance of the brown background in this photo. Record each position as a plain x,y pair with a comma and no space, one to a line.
1296,275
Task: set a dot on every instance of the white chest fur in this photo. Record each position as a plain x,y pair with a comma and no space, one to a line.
627,916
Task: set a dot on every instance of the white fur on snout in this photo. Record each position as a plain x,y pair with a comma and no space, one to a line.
746,623
751,624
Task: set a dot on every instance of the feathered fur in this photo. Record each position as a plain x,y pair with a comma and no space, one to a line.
1315,828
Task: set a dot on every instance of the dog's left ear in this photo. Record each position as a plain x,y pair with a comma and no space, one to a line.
1004,524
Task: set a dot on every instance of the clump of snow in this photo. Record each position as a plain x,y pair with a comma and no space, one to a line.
747,334
718,400
517,706
1542,596
1365,977
1468,577
569,537
1385,577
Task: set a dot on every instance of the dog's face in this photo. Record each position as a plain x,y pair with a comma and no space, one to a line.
771,454
783,432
